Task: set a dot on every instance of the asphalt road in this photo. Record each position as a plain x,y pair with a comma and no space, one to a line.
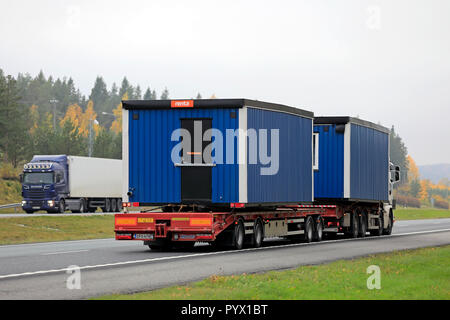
39,271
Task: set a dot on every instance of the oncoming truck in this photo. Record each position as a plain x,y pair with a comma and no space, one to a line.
232,172
56,183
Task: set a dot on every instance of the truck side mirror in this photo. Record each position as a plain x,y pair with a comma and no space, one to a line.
397,173
21,178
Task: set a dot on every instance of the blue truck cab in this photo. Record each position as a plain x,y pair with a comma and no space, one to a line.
45,184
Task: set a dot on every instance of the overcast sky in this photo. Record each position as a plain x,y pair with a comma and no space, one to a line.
384,61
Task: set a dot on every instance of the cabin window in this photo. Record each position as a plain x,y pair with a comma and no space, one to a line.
315,151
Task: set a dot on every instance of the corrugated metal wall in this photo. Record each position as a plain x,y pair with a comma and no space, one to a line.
329,179
293,182
152,173
369,163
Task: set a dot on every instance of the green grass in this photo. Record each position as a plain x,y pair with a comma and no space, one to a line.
422,213
54,228
409,274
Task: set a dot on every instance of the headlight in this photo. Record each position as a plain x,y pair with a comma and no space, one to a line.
51,203
24,202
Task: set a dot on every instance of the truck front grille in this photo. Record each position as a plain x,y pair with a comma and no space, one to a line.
36,194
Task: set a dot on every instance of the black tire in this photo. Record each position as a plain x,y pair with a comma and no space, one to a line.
119,205
61,206
388,230
160,245
378,232
107,207
184,245
318,230
308,236
258,234
82,207
113,205
353,232
30,211
362,228
238,235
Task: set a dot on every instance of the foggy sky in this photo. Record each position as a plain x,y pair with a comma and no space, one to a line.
384,61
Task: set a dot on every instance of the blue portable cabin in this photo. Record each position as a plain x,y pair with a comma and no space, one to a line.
351,160
156,177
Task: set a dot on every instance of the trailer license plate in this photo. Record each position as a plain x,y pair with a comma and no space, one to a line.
143,236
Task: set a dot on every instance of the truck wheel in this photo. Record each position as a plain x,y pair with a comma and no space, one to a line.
379,231
238,235
318,230
353,232
258,234
61,206
388,230
29,211
309,230
362,225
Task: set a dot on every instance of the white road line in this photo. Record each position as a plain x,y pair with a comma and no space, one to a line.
62,252
8,276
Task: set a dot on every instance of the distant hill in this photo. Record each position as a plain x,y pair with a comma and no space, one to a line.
435,172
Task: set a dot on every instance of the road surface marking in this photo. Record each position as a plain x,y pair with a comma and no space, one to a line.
62,252
212,253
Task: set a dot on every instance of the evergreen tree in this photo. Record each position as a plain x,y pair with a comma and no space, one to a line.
99,95
148,94
165,94
199,96
137,93
13,121
399,154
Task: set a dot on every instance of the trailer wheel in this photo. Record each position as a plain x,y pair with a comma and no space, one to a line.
362,225
160,244
238,235
119,205
107,207
113,205
318,230
309,230
388,230
258,234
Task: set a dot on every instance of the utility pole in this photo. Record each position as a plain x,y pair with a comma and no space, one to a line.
91,142
54,102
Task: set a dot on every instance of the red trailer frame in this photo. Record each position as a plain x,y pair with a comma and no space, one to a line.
190,227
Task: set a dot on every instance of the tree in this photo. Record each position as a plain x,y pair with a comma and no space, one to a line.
99,95
199,96
14,121
415,188
398,153
116,126
137,93
148,94
165,94
413,171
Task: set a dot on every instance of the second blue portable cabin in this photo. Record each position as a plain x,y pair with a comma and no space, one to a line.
277,165
351,159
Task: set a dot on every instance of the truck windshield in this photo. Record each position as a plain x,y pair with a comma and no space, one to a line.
38,177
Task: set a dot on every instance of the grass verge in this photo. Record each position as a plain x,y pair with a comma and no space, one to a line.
409,274
54,228
422,213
